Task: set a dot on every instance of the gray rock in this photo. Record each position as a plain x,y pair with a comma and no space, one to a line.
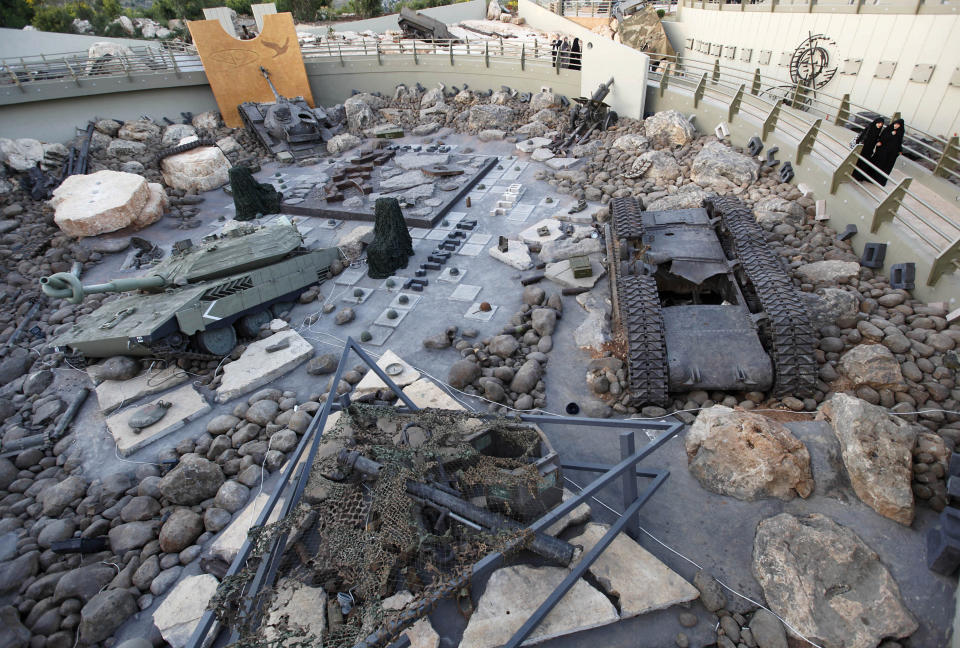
132,535
683,199
533,295
14,572
553,251
104,614
14,367
774,209
462,373
165,580
526,377
13,634
872,365
544,321
717,165
855,602
192,481
222,424
37,382
767,630
503,346
322,364
345,316
215,519
832,306
146,572
84,582
262,412
232,496
669,128
118,368
284,440
57,497
55,531
299,421
490,117
180,530
8,473
711,594
140,508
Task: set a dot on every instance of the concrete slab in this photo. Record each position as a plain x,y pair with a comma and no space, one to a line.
470,250
383,319
532,144
349,277
560,273
412,299
531,235
378,335
630,572
425,393
351,298
418,232
475,312
178,615
112,394
479,238
514,593
393,283
256,367
186,405
542,155
447,276
227,545
371,382
465,293
517,255
561,163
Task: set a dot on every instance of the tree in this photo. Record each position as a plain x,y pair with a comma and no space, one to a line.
392,245
15,14
252,198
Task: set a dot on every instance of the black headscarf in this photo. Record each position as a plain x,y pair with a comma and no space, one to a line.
869,137
889,148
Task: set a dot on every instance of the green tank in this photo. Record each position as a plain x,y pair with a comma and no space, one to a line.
198,299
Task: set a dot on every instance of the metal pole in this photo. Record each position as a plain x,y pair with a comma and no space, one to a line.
628,447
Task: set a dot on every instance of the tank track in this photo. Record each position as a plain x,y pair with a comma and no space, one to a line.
171,354
641,319
642,322
788,329
183,148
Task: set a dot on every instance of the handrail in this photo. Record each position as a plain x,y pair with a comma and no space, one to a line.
809,97
527,50
910,7
691,76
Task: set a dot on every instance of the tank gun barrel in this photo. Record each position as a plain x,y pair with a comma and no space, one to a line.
266,75
65,285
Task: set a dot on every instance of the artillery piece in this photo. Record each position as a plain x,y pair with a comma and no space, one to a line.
417,25
200,297
586,116
287,124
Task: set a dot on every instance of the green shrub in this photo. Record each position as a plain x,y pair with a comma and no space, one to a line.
660,13
54,19
15,14
241,6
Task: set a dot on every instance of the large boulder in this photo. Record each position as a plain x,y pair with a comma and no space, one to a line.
774,209
197,170
192,481
826,583
833,306
669,128
663,166
747,456
104,613
688,199
20,154
106,201
173,133
566,248
99,55
55,498
360,115
872,365
490,116
877,453
631,143
140,130
294,609
544,100
831,271
342,142
719,166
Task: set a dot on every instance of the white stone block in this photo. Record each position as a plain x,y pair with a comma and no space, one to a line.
256,367
185,405
180,613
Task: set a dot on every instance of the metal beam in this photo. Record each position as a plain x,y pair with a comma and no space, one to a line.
808,140
770,122
734,107
845,168
887,209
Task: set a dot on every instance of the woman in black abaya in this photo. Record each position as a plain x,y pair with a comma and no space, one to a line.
889,148
575,54
869,137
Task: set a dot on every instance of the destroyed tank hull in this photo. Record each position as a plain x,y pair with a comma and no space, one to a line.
703,303
199,300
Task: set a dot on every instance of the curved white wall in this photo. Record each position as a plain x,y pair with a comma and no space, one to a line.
907,40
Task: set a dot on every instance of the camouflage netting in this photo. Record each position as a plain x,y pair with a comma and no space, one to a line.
366,537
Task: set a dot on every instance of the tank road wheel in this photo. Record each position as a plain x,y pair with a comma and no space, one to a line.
642,321
219,341
249,325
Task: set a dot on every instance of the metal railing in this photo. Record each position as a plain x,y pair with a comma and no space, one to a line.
77,66
480,47
831,6
582,8
933,152
936,229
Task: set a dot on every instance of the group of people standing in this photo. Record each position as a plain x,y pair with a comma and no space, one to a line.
568,53
881,147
